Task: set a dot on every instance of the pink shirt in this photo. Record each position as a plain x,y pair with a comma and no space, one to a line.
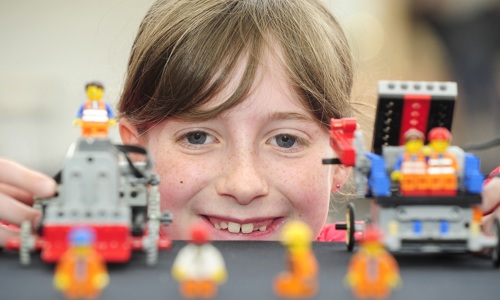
330,234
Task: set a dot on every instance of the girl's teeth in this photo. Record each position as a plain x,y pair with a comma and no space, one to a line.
237,227
233,227
247,228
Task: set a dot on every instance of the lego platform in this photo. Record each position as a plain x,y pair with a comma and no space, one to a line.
251,268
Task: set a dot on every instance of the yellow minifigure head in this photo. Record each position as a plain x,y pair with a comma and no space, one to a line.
439,139
296,235
371,243
414,140
95,90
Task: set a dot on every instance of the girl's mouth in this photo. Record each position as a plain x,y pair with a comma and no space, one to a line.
226,228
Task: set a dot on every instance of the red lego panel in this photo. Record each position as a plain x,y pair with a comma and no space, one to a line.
113,242
415,114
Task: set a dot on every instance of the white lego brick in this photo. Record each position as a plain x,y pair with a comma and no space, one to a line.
444,89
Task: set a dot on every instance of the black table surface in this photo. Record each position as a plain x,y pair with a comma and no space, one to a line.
252,267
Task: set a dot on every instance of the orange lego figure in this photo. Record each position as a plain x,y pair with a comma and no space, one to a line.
81,272
411,166
372,271
199,266
95,115
300,280
442,166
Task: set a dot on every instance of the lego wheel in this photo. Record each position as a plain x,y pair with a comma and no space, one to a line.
25,243
350,227
495,255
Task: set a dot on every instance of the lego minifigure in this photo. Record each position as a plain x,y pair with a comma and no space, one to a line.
95,115
199,266
300,279
81,271
411,166
442,166
372,271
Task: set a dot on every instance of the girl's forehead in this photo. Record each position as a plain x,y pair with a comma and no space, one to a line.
270,82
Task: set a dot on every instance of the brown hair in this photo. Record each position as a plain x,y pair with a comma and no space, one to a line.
185,52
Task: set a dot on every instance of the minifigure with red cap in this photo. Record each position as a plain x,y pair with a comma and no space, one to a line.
373,272
442,167
199,266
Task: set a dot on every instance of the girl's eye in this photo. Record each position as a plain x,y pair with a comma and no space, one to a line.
288,143
197,138
285,140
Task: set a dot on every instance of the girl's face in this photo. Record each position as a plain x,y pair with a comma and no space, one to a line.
248,170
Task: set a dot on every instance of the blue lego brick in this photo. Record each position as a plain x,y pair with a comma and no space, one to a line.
444,227
378,181
473,178
417,227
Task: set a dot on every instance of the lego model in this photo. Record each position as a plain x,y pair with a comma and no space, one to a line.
95,116
300,278
443,217
199,266
81,272
100,187
372,272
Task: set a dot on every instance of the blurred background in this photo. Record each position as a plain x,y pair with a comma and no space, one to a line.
49,49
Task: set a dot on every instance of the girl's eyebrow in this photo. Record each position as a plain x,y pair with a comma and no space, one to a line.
282,116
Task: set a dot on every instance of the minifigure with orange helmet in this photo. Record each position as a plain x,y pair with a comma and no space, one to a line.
442,167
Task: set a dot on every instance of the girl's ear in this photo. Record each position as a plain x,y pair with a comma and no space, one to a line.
340,173
128,132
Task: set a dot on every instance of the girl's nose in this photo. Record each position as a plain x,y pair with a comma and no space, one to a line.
243,179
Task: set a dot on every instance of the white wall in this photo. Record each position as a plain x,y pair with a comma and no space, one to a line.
48,50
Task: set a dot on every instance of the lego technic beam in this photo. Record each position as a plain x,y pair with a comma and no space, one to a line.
411,104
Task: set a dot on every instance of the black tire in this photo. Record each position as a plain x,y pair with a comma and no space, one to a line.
495,254
350,227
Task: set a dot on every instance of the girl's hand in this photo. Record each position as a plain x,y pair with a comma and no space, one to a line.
18,186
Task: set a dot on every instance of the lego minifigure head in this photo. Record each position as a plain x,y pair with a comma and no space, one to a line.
199,234
439,139
414,140
95,90
296,235
372,239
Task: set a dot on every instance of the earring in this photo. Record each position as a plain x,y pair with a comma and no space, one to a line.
338,186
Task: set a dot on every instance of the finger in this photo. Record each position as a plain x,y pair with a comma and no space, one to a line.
7,232
16,193
15,212
31,181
